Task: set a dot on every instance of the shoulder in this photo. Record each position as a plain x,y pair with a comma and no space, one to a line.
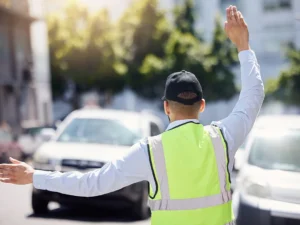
141,144
215,131
137,151
212,129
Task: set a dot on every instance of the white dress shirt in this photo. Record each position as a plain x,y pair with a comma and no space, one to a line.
134,166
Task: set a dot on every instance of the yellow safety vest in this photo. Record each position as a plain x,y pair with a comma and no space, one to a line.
190,167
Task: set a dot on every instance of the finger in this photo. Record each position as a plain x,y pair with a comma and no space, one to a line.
7,174
234,13
239,17
242,20
4,169
7,166
8,169
14,161
228,13
8,180
230,18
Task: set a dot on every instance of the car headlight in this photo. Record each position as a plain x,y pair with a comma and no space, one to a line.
256,187
47,164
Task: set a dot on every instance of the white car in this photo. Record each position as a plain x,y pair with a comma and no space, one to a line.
86,140
268,184
238,158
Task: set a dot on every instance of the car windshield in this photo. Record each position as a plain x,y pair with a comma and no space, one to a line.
101,131
243,146
279,152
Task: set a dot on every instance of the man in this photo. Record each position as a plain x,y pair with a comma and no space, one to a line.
188,166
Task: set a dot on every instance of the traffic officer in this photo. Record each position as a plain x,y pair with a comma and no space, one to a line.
188,166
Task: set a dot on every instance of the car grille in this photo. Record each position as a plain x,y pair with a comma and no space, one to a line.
81,164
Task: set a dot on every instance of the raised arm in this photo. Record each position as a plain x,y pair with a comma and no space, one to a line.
238,124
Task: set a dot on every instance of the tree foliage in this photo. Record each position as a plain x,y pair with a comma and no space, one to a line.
184,17
286,87
221,56
211,63
139,51
82,49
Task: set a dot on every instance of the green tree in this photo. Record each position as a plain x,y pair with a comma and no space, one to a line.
139,52
82,47
286,87
144,31
221,57
211,63
58,81
184,17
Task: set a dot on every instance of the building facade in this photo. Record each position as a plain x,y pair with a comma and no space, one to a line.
272,25
18,90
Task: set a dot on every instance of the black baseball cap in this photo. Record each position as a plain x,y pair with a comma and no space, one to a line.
180,82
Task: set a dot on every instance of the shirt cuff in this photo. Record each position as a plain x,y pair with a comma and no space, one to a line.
247,56
39,179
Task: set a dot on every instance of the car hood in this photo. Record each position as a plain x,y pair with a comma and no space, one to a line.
93,152
283,185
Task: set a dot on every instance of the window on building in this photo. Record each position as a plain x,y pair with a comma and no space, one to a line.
270,5
154,129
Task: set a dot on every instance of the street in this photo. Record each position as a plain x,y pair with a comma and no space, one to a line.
15,209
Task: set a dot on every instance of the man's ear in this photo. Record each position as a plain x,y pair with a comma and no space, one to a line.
202,105
166,108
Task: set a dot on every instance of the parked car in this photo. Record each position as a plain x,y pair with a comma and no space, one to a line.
32,137
239,157
268,184
86,140
9,147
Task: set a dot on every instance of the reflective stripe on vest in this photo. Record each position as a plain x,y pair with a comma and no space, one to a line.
165,203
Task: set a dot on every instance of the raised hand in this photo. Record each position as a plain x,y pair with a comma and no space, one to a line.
16,173
237,29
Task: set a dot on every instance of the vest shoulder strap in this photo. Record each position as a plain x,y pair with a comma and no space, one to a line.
220,147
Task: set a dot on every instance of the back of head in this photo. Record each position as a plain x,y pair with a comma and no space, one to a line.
183,96
183,110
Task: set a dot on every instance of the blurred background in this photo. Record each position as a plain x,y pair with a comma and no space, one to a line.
59,57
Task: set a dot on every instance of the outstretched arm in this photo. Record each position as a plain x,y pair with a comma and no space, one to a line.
133,167
238,124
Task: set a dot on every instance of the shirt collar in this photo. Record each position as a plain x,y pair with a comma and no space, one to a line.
180,122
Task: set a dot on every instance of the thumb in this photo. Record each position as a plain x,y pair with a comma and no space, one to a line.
14,161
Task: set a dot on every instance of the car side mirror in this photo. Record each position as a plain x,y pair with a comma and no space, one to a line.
47,134
57,123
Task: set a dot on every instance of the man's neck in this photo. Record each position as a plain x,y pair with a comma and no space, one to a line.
183,118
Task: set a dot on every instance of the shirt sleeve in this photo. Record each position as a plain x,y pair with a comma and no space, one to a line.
133,167
238,124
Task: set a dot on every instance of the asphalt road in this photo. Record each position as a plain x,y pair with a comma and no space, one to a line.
15,209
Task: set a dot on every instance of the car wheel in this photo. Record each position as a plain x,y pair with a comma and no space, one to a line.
39,205
141,210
